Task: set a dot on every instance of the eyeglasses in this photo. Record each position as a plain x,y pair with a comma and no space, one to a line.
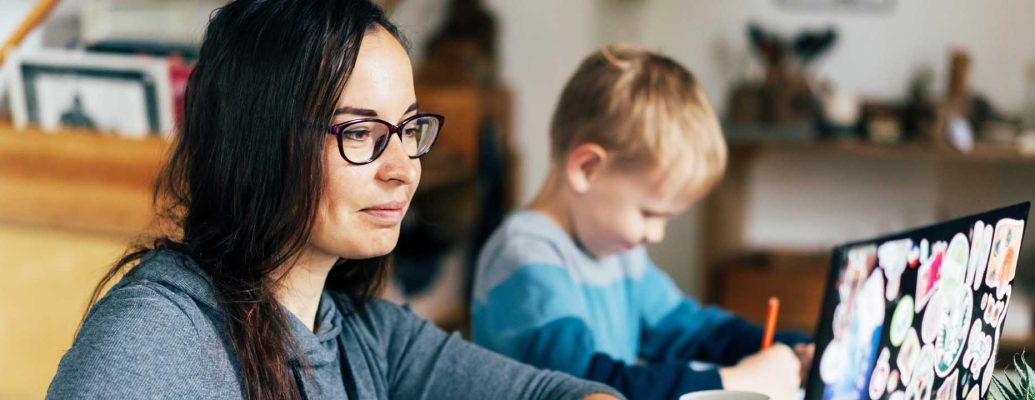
361,141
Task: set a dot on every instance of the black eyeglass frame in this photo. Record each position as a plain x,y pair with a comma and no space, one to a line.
382,144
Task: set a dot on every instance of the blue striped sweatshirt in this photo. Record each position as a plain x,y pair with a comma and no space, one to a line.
540,299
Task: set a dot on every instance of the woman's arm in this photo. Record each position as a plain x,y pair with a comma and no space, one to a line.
425,362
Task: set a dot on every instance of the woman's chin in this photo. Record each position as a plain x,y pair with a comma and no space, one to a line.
378,246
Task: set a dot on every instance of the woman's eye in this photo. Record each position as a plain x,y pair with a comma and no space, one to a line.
358,135
411,131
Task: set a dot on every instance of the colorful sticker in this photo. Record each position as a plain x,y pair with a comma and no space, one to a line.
948,389
849,359
995,311
974,394
913,258
879,377
952,331
893,379
954,264
901,320
928,275
869,306
893,257
908,355
979,348
986,379
834,362
919,387
932,318
1002,262
980,244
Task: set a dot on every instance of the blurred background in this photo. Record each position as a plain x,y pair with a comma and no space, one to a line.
846,119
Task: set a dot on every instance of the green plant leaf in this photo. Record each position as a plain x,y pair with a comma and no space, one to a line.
1022,387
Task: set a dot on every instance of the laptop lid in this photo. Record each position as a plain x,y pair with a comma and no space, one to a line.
918,314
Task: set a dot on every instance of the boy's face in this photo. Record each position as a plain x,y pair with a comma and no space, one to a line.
624,209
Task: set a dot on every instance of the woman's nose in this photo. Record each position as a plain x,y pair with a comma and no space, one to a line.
396,165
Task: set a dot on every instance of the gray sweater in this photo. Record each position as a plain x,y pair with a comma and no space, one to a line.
159,333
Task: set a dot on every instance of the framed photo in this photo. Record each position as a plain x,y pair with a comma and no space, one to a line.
120,94
861,5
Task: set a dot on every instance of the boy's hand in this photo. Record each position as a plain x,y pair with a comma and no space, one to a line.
774,372
805,353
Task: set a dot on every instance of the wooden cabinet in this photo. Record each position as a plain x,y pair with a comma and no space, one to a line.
78,180
70,205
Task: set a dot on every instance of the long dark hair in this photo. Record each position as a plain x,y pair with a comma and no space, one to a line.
243,180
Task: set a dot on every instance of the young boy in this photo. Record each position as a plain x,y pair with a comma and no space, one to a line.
567,284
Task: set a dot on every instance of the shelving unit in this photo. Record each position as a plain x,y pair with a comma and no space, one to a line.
76,180
735,271
751,137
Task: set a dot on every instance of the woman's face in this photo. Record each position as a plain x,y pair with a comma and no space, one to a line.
362,206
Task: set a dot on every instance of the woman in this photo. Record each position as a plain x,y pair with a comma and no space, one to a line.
288,186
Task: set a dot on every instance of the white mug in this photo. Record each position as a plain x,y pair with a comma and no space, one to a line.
723,395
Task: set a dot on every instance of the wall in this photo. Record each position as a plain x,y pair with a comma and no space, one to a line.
878,53
827,198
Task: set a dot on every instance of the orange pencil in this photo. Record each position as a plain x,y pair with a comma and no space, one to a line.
770,322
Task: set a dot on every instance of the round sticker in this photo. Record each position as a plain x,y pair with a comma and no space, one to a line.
908,355
954,266
920,386
901,320
952,331
932,318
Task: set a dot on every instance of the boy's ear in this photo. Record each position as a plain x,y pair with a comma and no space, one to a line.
585,163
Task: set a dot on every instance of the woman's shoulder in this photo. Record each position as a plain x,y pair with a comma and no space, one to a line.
135,318
151,326
144,305
135,339
163,291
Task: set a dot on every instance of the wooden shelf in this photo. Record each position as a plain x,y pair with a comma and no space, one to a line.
78,180
748,137
86,181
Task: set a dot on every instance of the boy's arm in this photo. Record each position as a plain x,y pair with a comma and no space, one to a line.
678,328
532,318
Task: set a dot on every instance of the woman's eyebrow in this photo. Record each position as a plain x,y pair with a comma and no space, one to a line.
363,112
366,112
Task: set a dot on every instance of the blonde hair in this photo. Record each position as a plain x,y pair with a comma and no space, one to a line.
646,110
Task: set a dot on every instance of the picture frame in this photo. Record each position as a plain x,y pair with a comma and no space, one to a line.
127,95
847,5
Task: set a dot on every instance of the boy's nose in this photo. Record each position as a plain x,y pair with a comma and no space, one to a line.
655,232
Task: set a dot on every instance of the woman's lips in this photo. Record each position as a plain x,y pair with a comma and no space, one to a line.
388,212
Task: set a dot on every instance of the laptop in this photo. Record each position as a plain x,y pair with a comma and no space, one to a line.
918,314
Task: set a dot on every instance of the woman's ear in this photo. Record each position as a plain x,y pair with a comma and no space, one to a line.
585,163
